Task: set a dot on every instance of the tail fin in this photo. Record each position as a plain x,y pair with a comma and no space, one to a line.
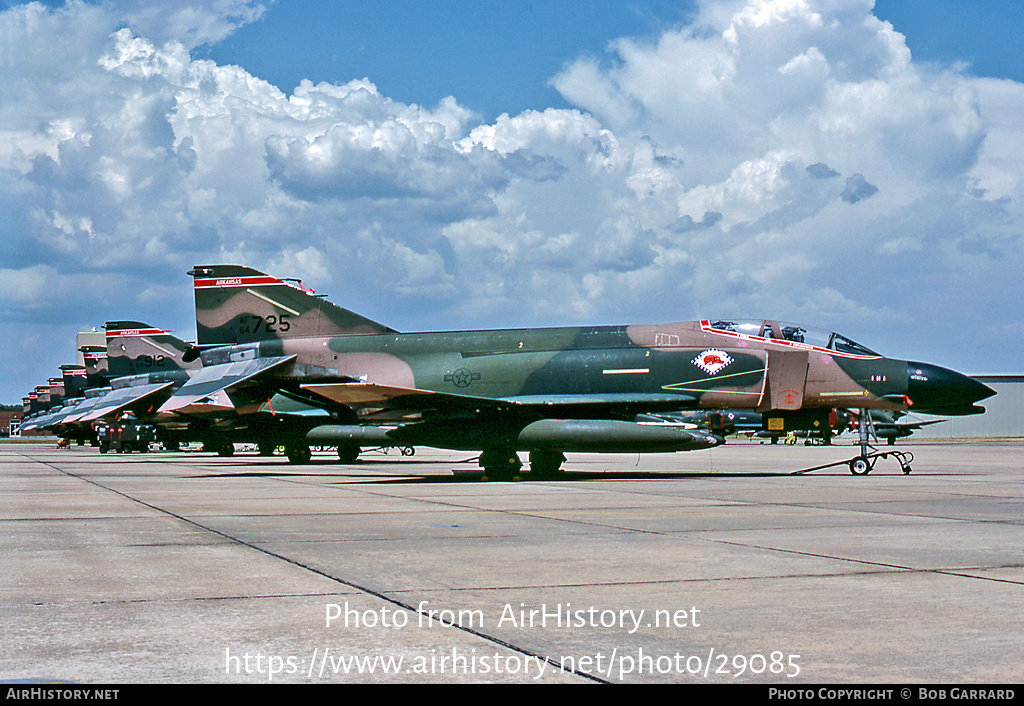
42,393
74,380
135,348
95,360
236,304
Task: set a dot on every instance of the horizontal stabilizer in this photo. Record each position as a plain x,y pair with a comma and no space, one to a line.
912,426
209,388
116,401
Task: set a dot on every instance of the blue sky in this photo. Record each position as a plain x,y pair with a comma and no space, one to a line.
984,34
497,56
501,164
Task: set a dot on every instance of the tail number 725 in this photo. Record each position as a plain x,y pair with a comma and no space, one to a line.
252,324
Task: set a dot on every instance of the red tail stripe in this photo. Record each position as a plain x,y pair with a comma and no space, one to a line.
221,282
134,332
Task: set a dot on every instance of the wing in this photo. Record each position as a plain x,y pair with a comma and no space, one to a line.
366,395
362,395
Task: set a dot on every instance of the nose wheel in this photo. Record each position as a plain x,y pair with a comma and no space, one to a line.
865,463
861,465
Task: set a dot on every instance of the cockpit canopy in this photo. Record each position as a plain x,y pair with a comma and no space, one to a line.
781,330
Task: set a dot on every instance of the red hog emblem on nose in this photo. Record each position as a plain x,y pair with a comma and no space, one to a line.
712,360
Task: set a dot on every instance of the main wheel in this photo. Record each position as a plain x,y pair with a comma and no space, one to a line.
348,453
500,465
546,464
299,454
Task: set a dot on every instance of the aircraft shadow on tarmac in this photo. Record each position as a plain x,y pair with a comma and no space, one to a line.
473,476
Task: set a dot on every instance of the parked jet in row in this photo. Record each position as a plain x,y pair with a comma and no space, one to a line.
544,391
144,365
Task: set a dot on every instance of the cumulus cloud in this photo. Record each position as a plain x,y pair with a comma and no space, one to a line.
857,189
771,157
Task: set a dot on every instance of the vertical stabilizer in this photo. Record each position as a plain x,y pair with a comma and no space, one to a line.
95,361
74,380
135,348
236,304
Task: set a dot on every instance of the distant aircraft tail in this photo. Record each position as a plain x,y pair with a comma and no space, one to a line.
74,380
135,348
95,360
237,304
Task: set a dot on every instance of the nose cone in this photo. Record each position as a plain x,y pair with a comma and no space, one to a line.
935,390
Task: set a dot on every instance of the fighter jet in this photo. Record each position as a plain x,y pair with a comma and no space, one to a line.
77,379
544,391
113,388
149,364
144,364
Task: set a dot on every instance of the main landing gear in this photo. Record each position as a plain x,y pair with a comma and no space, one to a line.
546,464
504,465
500,464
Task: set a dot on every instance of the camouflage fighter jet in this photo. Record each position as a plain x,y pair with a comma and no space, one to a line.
544,391
140,366
105,387
148,365
144,364
77,379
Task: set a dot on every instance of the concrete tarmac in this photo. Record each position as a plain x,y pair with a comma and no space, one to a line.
705,567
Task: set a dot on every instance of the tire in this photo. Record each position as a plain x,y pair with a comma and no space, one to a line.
546,464
299,454
348,453
860,466
500,465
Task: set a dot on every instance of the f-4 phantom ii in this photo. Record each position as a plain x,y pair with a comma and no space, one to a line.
140,366
151,364
545,391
